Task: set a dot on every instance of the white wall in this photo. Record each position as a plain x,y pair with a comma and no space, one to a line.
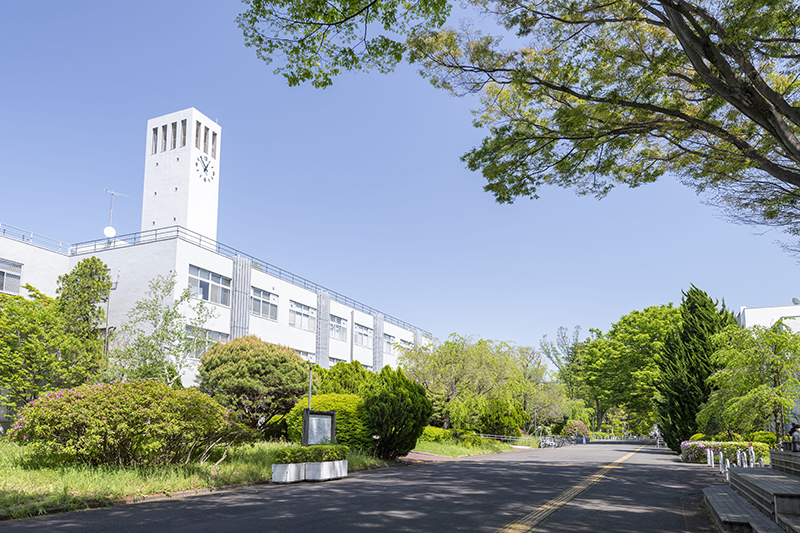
40,267
767,316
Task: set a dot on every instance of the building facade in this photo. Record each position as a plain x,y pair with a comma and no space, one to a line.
179,234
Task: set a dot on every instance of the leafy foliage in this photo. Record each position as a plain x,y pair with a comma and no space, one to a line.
397,412
352,427
163,331
311,454
695,451
757,380
80,292
434,434
258,380
344,378
37,352
576,427
687,364
131,423
597,95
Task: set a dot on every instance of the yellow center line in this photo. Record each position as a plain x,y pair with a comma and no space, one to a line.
531,520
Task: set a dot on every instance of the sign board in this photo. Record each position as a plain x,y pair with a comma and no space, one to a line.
319,427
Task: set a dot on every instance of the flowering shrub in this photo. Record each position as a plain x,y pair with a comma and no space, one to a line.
694,451
131,423
576,427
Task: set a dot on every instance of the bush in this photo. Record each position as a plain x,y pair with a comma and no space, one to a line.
727,437
130,423
576,427
434,434
697,436
766,437
344,378
351,423
310,454
397,412
695,451
502,417
256,379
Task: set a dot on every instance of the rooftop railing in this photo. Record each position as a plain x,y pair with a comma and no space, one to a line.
34,238
179,232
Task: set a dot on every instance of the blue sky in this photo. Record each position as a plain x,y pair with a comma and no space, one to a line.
358,187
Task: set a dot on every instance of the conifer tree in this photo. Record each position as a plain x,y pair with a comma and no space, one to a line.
687,364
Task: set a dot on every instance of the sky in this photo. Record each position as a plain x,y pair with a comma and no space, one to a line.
358,187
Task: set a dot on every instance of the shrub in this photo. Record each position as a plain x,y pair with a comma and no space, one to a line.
576,427
130,423
434,434
501,417
695,451
310,454
256,379
351,423
397,412
344,378
727,437
766,437
697,436
471,440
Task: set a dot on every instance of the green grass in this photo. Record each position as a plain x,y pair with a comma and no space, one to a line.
31,486
452,449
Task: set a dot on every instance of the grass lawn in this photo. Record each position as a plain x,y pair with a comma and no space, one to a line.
30,486
451,449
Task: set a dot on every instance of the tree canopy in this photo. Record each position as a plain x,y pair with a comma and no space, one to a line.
591,95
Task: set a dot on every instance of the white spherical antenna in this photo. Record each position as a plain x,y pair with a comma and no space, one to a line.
796,301
109,232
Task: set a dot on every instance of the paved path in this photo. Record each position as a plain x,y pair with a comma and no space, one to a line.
612,487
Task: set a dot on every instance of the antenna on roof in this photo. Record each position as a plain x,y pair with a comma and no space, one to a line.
110,231
796,301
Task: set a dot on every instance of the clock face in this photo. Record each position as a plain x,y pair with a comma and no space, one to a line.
204,168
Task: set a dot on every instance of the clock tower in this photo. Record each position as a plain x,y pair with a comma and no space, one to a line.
181,174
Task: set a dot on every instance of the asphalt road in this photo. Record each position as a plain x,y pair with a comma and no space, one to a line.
577,488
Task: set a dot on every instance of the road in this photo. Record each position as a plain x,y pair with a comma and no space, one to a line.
610,487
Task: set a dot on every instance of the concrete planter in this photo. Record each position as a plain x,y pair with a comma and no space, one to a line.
326,470
291,473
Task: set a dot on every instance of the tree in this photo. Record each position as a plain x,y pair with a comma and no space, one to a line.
36,351
687,364
256,379
457,370
80,293
622,365
344,378
162,333
397,412
757,381
565,354
542,400
597,95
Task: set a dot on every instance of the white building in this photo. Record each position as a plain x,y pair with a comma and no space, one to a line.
179,233
767,316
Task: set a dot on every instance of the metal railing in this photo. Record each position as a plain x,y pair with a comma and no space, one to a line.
179,232
34,238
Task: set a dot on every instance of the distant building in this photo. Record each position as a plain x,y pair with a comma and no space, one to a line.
767,316
179,233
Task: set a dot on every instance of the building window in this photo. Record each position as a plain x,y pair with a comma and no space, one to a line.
10,275
334,361
208,338
197,134
205,140
363,335
209,286
214,144
264,303
388,344
155,140
302,316
406,345
173,141
338,328
308,356
183,133
164,138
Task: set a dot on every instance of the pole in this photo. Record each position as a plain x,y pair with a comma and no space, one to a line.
310,373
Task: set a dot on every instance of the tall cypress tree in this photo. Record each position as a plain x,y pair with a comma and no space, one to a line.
686,365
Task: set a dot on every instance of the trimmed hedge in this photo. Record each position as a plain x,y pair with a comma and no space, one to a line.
695,451
767,437
434,434
135,423
351,425
310,454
